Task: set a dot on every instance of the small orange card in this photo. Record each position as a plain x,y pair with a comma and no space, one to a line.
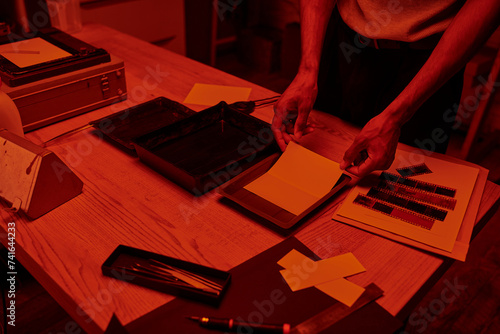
210,95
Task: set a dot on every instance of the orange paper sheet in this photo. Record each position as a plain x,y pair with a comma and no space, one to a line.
342,290
294,258
210,95
297,180
443,234
32,51
326,275
322,271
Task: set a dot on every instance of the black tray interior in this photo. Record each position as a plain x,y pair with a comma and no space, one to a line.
124,126
220,142
196,150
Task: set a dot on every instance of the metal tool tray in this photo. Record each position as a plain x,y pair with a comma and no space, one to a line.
124,257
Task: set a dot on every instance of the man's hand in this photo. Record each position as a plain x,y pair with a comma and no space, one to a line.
292,110
374,148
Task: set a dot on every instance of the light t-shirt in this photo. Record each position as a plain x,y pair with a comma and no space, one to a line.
401,20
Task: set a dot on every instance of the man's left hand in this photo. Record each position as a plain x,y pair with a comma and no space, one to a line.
374,147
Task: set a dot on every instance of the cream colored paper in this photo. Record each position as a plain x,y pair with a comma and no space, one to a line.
297,180
210,95
443,234
32,51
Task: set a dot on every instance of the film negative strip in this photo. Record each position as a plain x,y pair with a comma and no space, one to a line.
408,204
429,198
414,170
421,185
394,211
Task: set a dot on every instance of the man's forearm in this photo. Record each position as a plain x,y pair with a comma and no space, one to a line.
468,31
314,17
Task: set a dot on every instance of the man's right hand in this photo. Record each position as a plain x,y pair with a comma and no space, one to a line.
292,110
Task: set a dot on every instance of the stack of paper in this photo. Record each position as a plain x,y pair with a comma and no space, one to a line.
419,200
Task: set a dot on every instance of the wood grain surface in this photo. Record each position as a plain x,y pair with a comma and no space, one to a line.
125,202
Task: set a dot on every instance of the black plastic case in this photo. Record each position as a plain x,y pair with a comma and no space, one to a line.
125,256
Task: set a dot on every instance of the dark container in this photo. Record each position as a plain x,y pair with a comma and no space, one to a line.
123,127
208,148
125,257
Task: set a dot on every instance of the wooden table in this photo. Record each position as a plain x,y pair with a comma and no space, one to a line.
125,202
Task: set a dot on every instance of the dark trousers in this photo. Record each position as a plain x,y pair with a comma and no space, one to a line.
357,82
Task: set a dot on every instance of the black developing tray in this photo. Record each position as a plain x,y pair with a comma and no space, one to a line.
123,127
208,148
124,257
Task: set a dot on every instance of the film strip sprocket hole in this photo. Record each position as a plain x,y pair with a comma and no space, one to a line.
429,198
394,211
420,185
414,170
411,205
